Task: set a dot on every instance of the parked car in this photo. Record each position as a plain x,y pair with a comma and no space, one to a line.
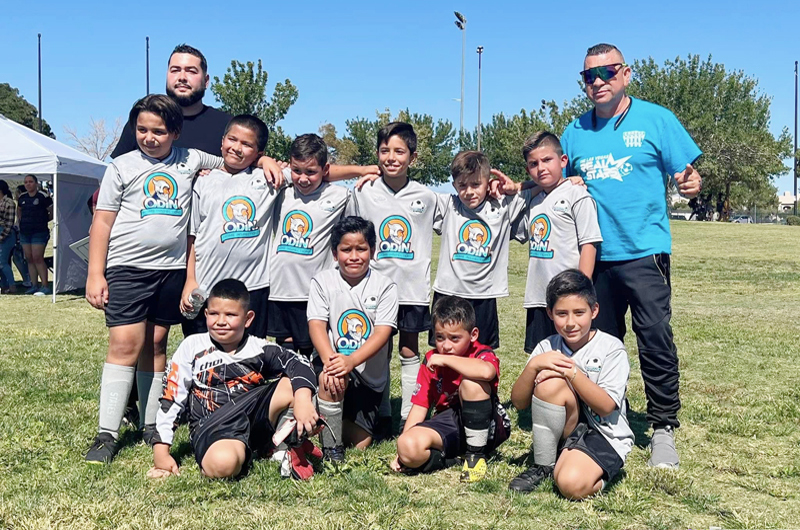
742,219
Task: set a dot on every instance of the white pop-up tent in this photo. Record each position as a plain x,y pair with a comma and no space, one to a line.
75,177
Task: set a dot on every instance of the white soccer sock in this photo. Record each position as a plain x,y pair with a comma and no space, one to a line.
332,412
150,387
409,368
115,387
548,426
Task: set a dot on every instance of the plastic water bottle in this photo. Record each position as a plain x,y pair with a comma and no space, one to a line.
198,298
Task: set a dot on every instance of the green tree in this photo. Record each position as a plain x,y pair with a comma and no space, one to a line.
436,141
243,90
728,117
16,108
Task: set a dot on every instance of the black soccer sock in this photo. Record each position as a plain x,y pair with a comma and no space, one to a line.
477,417
435,462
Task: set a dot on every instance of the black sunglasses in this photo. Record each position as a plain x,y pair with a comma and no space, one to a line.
605,72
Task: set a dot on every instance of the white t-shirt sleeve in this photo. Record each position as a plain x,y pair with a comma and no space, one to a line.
442,203
386,314
195,218
584,211
206,160
542,347
318,307
111,189
614,376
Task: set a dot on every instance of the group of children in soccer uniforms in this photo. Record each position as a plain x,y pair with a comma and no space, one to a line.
333,274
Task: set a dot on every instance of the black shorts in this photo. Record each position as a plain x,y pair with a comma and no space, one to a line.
413,318
450,427
246,420
485,320
361,402
136,295
591,442
289,319
538,327
258,303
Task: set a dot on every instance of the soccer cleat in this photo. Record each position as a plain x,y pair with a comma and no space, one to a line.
102,450
662,446
44,291
528,480
334,455
131,417
474,469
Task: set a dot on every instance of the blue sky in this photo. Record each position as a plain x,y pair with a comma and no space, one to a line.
351,61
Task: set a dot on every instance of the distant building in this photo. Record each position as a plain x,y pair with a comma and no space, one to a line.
786,202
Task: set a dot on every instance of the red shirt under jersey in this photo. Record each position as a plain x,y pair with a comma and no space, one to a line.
439,387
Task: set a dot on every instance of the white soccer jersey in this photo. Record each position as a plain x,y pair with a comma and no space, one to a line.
556,224
604,360
301,246
152,199
473,259
404,223
352,313
231,222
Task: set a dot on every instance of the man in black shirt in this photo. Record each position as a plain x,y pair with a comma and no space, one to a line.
187,80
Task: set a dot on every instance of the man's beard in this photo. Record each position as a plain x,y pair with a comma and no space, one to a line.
189,100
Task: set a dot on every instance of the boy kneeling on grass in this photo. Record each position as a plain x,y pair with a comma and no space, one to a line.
238,389
575,383
459,378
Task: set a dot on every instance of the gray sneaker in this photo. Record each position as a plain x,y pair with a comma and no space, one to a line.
662,448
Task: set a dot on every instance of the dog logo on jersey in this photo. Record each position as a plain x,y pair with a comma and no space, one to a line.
417,206
395,236
161,196
240,219
354,329
474,238
296,236
540,233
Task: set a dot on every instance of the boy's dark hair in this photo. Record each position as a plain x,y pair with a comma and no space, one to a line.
251,123
21,189
308,146
398,128
470,162
163,106
603,48
541,139
231,289
570,282
4,189
353,225
453,310
185,48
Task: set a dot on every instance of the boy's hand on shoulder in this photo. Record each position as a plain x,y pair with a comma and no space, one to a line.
502,185
272,171
366,178
163,463
203,172
577,181
97,291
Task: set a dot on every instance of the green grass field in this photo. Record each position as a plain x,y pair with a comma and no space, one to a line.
736,326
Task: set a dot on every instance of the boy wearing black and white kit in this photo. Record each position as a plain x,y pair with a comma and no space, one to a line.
305,215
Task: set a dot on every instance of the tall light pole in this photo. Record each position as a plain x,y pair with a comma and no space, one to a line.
147,63
40,87
480,54
795,137
461,23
